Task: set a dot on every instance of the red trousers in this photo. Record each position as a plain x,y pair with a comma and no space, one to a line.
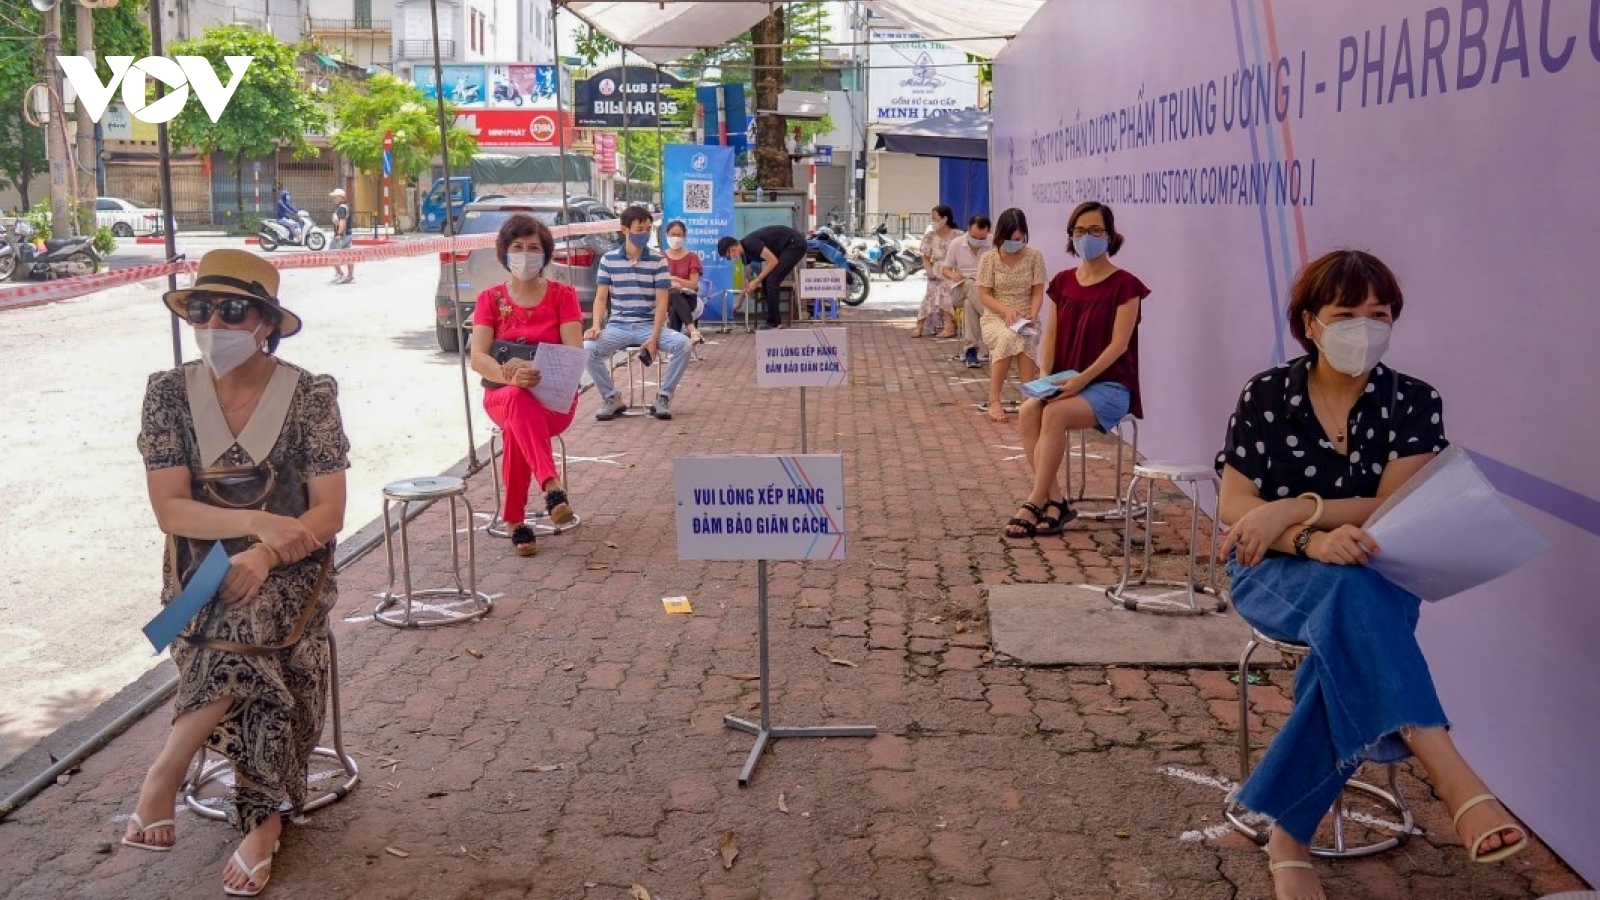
527,427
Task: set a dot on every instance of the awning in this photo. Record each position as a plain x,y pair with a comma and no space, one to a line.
669,31
958,134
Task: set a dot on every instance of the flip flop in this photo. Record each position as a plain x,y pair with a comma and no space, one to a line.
250,873
1494,855
155,848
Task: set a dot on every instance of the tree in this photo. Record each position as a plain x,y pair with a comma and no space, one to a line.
270,108
797,28
383,104
119,31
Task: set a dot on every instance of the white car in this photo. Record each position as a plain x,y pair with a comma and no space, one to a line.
126,218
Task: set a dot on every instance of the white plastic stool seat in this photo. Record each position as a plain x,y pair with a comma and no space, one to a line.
1167,470
1390,800
1136,595
461,603
541,523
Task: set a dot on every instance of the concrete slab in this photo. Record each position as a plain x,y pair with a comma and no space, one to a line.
1075,625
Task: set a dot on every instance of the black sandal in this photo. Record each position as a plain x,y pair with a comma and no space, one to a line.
524,541
555,503
1029,529
1054,525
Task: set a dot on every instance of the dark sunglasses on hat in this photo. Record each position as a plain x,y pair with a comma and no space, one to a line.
199,307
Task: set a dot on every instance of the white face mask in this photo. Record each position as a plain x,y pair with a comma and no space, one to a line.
675,242
525,265
1354,346
225,350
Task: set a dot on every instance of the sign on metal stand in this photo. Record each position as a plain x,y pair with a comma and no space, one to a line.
812,357
763,508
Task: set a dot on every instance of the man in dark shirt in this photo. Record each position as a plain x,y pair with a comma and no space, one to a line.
779,249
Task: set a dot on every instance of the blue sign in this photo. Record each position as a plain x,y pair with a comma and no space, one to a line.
388,163
726,121
699,187
824,155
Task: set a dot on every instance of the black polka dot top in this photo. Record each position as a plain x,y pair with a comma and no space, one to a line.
1275,440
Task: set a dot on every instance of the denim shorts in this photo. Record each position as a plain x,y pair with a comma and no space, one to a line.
1110,402
342,241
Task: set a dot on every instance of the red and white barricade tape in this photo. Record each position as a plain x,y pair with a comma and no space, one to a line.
23,295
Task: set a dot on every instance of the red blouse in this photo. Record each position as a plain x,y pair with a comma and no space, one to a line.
537,325
1086,318
687,267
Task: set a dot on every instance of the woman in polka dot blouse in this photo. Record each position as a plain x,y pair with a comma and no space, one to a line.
1312,449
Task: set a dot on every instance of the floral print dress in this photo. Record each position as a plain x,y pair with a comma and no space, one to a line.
279,699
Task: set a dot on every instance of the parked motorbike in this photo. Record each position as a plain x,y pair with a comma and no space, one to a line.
910,258
60,258
275,234
504,91
823,245
880,254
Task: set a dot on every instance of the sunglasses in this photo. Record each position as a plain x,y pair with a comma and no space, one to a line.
198,308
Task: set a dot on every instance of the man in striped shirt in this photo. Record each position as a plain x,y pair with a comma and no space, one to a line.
632,287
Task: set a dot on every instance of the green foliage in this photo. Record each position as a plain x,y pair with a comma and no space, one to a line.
38,215
270,108
592,45
118,30
364,112
104,241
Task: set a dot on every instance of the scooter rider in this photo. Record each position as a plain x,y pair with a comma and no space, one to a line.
288,214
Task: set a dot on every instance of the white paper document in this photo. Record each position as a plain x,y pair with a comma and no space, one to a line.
1447,531
1024,327
560,370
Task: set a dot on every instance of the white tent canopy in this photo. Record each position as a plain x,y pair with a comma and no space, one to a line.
668,31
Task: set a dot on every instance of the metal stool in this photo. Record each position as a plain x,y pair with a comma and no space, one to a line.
632,355
1193,474
541,519
1389,800
463,603
1118,508
729,298
221,770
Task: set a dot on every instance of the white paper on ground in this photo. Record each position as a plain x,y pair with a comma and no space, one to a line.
1447,530
560,371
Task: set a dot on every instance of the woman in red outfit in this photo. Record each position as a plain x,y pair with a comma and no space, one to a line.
1095,334
533,309
685,268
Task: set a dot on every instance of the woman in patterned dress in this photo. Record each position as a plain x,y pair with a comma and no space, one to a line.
243,449
1011,281
936,301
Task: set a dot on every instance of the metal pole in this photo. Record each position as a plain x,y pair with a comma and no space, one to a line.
164,167
561,127
802,419
462,347
661,151
761,630
627,175
56,149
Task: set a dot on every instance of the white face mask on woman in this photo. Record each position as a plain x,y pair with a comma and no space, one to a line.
675,241
225,350
525,265
1354,346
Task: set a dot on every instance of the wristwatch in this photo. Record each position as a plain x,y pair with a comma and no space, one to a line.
1302,540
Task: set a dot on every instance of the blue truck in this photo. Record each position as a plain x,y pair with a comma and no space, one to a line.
505,175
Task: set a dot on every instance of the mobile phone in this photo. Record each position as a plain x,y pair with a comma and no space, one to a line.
646,357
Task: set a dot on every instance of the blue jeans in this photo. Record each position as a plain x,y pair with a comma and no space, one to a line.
1364,681
1110,402
620,335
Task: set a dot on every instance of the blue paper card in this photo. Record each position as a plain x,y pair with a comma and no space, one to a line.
175,616
1046,387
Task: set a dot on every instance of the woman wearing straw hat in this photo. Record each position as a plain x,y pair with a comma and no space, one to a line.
246,450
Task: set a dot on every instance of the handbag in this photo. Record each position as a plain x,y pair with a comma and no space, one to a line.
504,351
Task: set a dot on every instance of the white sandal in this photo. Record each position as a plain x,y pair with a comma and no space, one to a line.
1492,856
250,873
140,844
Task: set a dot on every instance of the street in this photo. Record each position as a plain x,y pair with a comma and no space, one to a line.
80,559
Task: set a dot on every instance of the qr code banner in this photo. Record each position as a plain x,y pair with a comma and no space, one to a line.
697,197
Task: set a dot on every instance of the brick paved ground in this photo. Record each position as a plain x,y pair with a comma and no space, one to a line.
571,745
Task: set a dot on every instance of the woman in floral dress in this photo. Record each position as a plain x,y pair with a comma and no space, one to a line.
936,301
243,449
1011,281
